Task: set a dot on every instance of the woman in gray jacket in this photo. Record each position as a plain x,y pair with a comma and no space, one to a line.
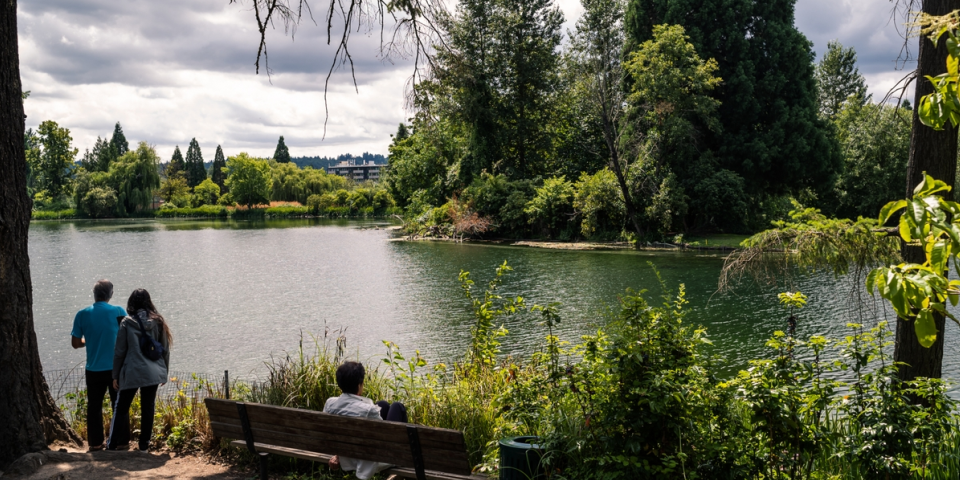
133,370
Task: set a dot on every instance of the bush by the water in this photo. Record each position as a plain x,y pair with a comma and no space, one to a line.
640,398
53,214
206,211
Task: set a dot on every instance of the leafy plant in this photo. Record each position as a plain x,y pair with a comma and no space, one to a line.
917,292
485,334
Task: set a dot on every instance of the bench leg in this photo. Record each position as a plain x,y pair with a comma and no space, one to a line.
264,475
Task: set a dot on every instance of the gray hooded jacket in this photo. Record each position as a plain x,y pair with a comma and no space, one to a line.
130,366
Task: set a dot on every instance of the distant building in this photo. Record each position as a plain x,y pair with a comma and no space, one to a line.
357,171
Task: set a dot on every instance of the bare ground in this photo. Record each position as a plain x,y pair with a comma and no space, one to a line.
80,464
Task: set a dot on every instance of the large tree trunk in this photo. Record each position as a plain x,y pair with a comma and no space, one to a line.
29,418
933,152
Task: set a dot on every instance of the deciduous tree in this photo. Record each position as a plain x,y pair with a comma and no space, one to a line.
135,178
875,142
249,180
56,158
207,193
29,417
934,152
597,48
669,109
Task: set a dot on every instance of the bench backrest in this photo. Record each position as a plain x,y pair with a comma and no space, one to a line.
442,450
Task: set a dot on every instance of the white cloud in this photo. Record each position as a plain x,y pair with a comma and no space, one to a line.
171,71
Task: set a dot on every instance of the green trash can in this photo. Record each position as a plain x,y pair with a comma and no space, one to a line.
520,459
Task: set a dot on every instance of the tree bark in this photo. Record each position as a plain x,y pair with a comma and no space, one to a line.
29,418
933,152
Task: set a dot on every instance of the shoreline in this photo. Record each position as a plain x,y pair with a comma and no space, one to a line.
572,245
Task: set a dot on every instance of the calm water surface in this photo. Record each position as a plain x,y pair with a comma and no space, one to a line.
237,293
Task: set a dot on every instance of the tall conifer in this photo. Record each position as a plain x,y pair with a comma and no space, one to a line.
217,175
176,166
838,79
99,159
281,154
119,141
196,172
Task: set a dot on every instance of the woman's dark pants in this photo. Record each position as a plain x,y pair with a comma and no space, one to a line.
120,426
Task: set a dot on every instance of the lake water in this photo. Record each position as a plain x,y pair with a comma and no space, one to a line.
237,293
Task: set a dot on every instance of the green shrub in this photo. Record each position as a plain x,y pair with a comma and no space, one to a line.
496,197
208,211
53,215
226,200
551,208
598,201
287,211
206,193
99,202
313,203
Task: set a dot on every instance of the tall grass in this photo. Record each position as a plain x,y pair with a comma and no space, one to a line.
53,215
455,397
180,421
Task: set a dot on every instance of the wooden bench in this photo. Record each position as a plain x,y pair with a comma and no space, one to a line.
424,453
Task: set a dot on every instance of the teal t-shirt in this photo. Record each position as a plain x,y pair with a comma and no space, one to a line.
97,324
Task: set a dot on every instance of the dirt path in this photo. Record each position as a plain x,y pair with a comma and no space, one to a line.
78,464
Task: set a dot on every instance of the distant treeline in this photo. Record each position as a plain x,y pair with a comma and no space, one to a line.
324,162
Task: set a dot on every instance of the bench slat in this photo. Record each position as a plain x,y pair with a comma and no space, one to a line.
324,458
323,429
392,453
443,450
270,413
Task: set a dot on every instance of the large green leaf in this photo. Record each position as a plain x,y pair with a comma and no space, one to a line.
889,209
872,279
926,328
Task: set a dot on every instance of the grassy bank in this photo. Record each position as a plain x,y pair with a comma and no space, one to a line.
221,212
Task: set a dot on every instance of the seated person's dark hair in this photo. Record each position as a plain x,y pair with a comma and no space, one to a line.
350,376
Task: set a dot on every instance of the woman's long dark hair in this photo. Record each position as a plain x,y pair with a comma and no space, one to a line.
140,300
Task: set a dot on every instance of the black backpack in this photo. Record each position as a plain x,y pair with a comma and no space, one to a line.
151,348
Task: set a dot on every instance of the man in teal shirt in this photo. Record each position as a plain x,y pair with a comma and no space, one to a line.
95,328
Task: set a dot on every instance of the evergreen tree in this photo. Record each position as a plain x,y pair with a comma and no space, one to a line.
176,166
195,170
838,79
772,135
119,142
100,158
467,76
529,63
401,134
281,154
217,175
501,75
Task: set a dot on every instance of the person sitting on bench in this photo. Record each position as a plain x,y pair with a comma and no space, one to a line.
350,377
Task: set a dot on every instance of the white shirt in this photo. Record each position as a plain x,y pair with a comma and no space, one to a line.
350,405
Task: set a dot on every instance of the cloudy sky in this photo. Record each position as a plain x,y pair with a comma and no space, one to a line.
170,71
